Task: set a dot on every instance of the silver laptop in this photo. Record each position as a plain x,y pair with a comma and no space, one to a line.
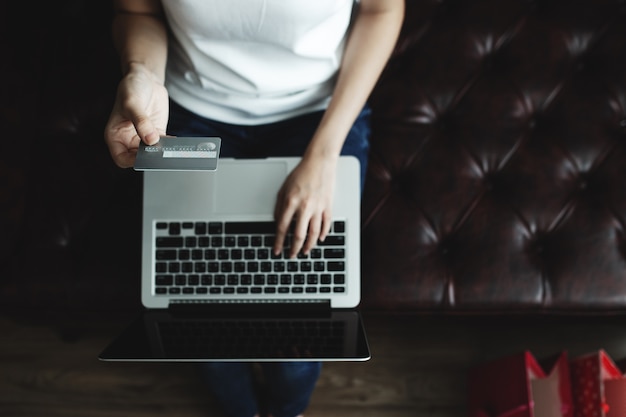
213,290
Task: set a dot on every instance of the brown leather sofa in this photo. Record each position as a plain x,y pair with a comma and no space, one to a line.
496,183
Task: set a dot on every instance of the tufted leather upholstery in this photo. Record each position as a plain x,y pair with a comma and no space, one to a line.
497,178
498,171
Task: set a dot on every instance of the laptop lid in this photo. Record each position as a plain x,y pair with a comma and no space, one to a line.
170,336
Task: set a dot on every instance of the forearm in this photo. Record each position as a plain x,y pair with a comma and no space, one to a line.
140,37
369,46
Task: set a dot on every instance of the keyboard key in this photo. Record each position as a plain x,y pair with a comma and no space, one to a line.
334,253
187,267
200,228
166,255
336,266
252,266
164,280
248,228
169,242
339,226
174,228
216,228
333,240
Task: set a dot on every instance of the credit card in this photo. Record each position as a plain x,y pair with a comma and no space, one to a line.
179,154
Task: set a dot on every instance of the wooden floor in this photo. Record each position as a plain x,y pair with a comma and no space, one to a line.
419,367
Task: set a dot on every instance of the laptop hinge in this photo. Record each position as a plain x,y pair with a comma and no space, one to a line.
245,307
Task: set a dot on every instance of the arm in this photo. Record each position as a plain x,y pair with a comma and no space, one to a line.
140,110
308,192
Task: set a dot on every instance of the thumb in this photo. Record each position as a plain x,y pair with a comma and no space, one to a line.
145,129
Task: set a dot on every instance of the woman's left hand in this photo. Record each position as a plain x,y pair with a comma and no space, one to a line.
304,204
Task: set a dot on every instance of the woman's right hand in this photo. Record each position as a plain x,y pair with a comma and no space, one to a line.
140,113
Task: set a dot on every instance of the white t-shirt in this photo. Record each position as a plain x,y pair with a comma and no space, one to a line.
255,61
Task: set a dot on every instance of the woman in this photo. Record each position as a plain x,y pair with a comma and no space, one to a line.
271,78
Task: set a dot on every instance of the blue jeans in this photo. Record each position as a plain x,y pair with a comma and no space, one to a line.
288,385
286,391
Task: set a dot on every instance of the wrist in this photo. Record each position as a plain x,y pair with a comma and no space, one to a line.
140,68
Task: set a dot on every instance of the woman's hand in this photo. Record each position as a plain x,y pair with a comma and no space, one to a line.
306,200
140,113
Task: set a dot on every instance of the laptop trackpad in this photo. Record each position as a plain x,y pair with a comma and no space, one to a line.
249,188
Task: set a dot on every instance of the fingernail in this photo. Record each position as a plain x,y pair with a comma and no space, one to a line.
152,138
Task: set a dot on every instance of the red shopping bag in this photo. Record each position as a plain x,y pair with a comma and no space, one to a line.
518,386
598,385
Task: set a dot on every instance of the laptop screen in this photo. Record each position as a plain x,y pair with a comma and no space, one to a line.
160,335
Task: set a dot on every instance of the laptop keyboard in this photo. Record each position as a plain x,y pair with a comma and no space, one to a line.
236,258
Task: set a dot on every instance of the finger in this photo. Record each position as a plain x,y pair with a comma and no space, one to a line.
126,160
283,221
123,156
144,127
327,221
314,229
300,232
